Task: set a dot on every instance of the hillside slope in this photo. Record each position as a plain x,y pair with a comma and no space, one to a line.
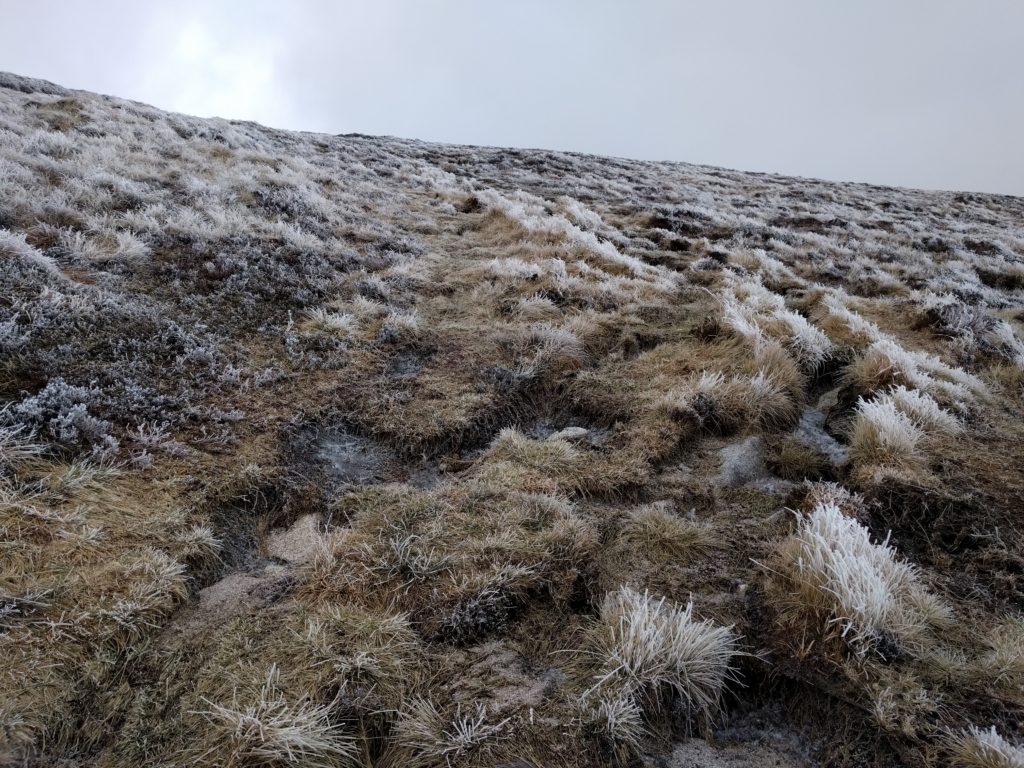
342,450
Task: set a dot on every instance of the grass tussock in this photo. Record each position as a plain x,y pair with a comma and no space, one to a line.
460,562
849,588
795,460
616,722
652,652
557,466
979,748
429,737
712,402
883,435
660,533
267,730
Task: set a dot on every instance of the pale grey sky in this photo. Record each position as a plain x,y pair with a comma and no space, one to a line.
921,93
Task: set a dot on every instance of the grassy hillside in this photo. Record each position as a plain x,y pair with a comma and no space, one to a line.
353,451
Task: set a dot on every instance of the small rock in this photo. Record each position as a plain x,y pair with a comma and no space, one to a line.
571,434
296,544
743,462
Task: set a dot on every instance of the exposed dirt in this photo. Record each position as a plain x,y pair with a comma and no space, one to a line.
229,597
349,459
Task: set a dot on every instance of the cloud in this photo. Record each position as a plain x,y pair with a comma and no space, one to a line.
920,93
206,70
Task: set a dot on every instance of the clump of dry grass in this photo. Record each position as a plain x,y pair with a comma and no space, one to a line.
16,736
363,653
655,651
400,325
552,457
766,402
849,503
883,435
341,324
18,446
427,737
616,722
891,429
535,308
555,465
978,748
657,531
555,348
972,328
923,409
144,588
849,587
794,459
460,560
1003,662
482,603
886,363
198,547
268,730
901,705
704,399
713,402
844,325
771,358
757,314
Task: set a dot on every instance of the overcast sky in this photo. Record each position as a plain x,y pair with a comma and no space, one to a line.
922,93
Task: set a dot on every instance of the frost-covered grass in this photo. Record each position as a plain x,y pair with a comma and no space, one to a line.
979,748
430,738
856,589
654,650
884,434
270,731
712,401
538,361
754,312
885,362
